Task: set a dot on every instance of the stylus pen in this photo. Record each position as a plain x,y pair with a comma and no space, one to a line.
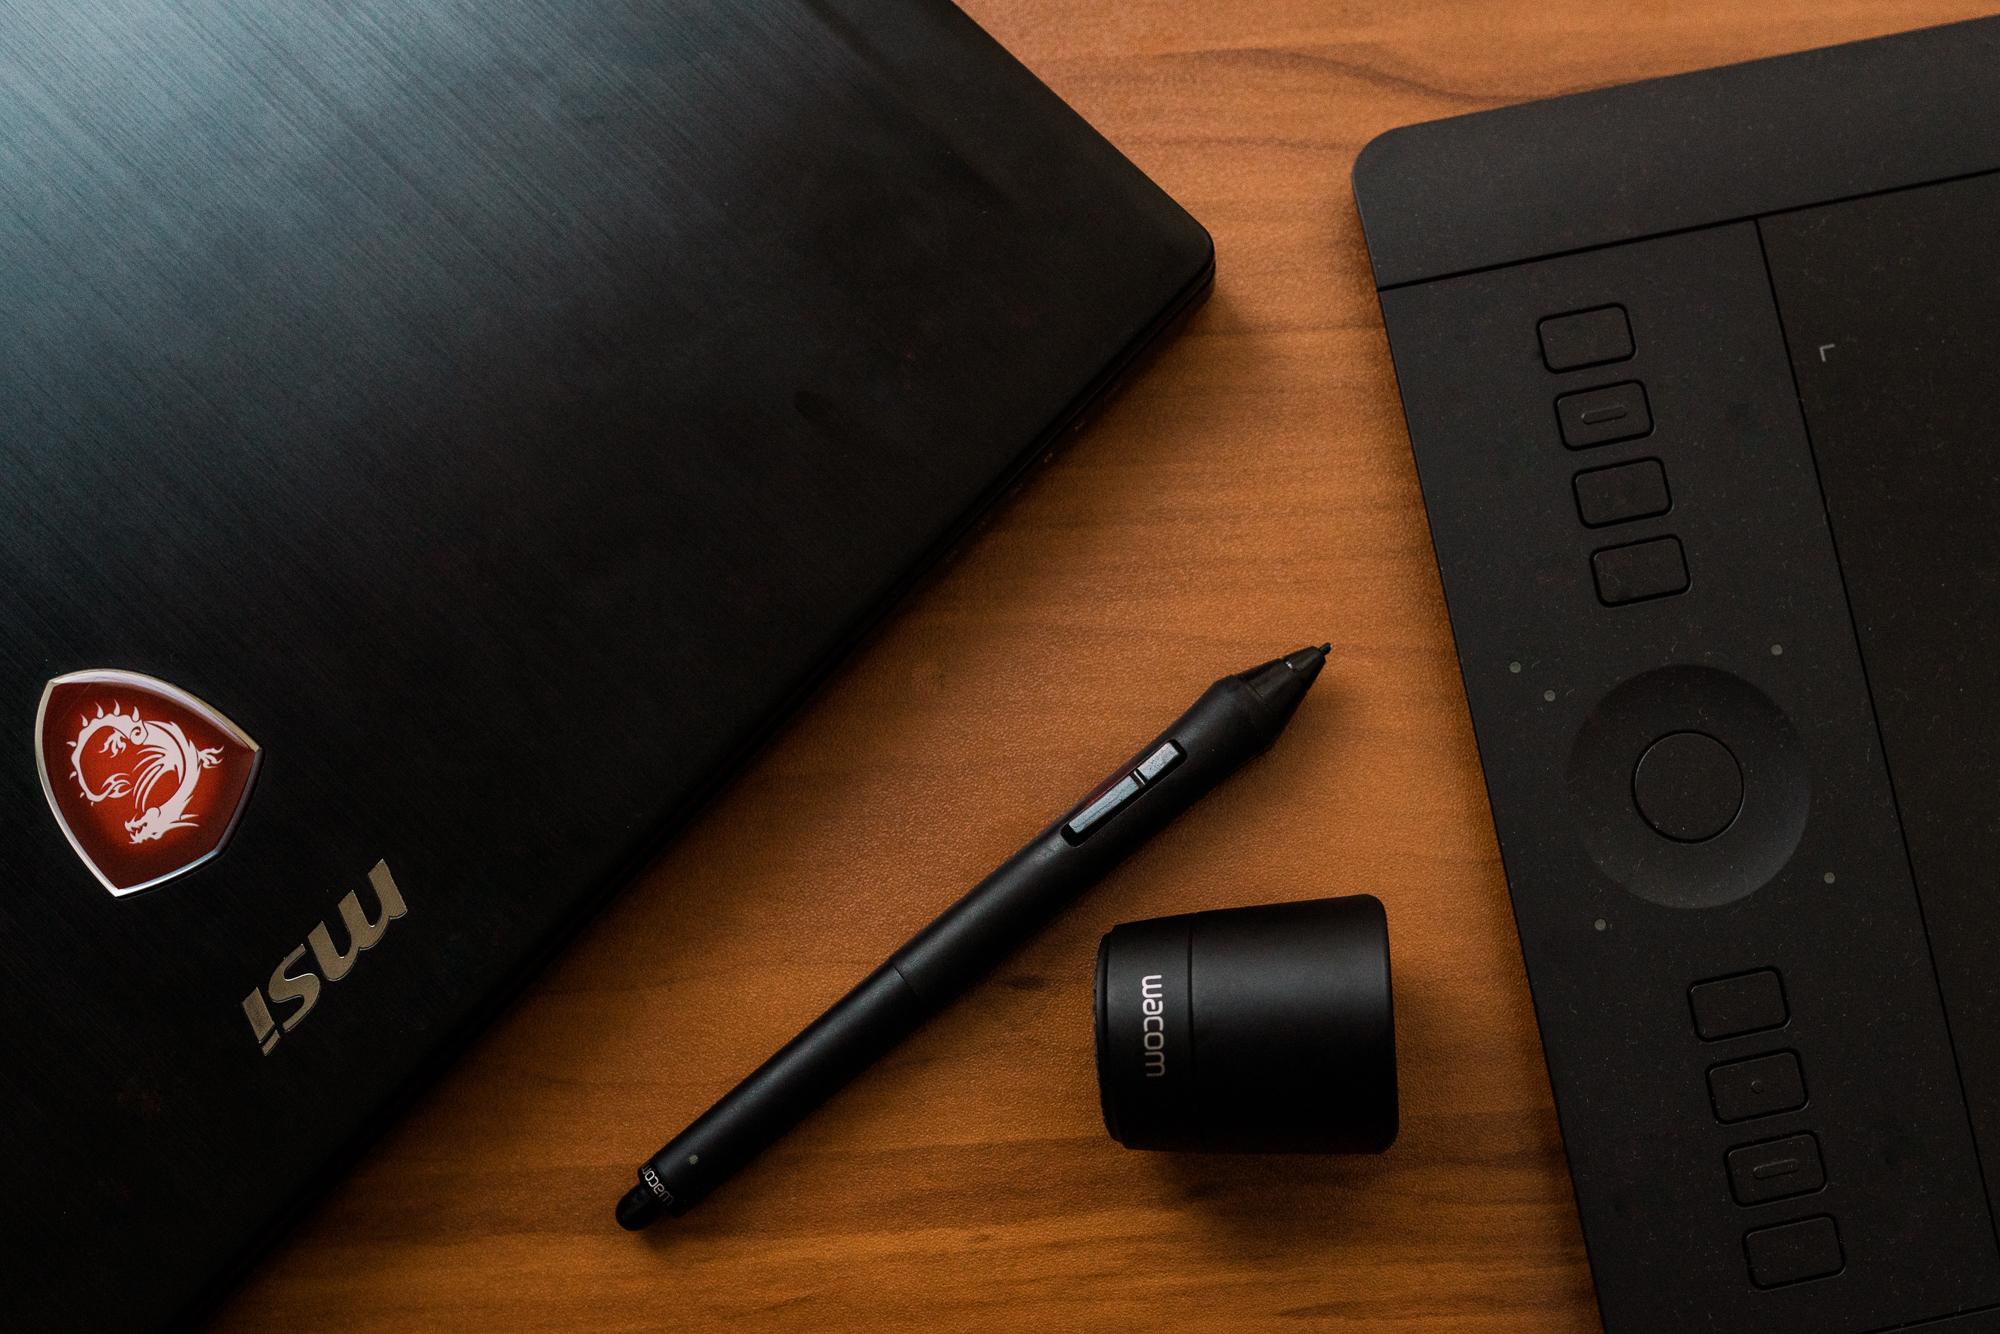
1235,720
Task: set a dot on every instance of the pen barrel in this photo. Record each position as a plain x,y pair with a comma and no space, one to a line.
805,1072
1233,721
944,959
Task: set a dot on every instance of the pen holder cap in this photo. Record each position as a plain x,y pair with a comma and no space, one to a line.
1266,1029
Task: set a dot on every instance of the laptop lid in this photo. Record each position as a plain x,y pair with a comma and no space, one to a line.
439,441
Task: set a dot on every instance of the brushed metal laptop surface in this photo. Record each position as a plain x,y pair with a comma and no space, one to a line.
503,412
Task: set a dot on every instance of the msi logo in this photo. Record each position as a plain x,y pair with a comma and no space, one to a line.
146,781
288,984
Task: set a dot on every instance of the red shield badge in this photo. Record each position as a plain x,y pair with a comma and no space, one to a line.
144,779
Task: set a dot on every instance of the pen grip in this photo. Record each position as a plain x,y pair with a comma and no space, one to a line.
1018,899
805,1072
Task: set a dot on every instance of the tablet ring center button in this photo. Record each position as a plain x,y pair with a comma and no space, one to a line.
1688,786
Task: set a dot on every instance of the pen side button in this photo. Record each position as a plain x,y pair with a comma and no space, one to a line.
1159,762
1092,817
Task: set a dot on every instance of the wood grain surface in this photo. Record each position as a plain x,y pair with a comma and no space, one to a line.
1251,492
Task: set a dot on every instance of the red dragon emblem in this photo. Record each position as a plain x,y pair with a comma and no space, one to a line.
144,779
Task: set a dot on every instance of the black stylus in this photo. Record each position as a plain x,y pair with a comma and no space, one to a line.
1235,720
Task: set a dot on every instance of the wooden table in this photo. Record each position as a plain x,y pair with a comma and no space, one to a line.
1251,492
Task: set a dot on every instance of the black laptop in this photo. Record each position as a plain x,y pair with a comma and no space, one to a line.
1702,382
437,442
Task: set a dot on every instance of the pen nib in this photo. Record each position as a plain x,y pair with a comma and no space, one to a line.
1283,682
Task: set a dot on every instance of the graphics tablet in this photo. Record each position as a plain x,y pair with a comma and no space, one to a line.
1700,380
